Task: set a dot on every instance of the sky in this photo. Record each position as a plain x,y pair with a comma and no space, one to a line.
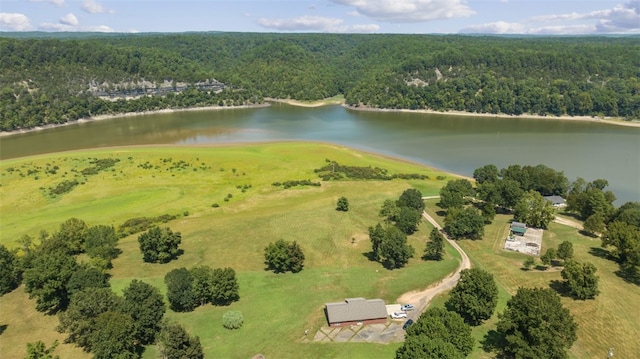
531,17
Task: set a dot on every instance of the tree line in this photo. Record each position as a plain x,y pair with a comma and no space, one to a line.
53,80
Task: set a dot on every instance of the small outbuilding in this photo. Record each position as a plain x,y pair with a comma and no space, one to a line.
557,201
356,311
518,228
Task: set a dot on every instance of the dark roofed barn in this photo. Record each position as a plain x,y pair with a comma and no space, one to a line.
356,311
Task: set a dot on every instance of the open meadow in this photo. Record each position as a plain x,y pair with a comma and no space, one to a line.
611,320
227,211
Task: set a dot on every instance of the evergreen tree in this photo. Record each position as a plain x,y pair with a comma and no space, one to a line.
435,247
343,204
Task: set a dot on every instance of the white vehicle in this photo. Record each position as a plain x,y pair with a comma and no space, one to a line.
407,307
398,315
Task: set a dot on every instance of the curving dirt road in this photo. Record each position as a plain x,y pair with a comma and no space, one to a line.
422,298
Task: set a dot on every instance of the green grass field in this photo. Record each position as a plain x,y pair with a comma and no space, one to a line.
609,321
276,308
147,181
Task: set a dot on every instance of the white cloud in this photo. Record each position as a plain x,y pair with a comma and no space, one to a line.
14,22
69,19
498,27
315,23
622,18
47,26
401,11
94,7
58,3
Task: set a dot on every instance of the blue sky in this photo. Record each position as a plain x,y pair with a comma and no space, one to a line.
542,17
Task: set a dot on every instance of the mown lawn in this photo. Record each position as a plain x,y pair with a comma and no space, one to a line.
610,321
149,181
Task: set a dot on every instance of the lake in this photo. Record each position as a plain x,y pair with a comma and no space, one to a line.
457,144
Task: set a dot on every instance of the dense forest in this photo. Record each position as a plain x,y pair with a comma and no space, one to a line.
48,80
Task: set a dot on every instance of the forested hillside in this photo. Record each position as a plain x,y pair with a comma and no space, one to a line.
55,80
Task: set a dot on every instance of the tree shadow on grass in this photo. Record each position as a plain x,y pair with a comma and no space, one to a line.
587,234
600,253
629,274
370,256
3,327
559,287
492,342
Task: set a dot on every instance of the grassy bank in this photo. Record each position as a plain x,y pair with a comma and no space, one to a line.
154,181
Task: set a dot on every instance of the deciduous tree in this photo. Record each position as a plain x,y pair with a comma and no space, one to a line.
175,342
411,198
79,320
100,242
408,219
474,297
565,250
145,304
454,193
464,223
394,250
536,325
159,245
225,286
180,290
10,272
625,239
440,324
580,279
283,256
114,337
534,210
47,277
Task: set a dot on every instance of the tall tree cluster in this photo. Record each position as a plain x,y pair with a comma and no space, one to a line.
402,217
190,288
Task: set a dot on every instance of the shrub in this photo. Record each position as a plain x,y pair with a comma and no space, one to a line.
232,319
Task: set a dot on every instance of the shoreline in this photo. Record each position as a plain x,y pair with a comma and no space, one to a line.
128,114
326,102
606,120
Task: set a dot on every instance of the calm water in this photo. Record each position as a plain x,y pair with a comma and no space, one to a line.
453,143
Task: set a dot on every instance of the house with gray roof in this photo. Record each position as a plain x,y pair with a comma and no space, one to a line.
356,311
557,201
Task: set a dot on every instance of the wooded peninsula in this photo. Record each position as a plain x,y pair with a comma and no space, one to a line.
54,79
